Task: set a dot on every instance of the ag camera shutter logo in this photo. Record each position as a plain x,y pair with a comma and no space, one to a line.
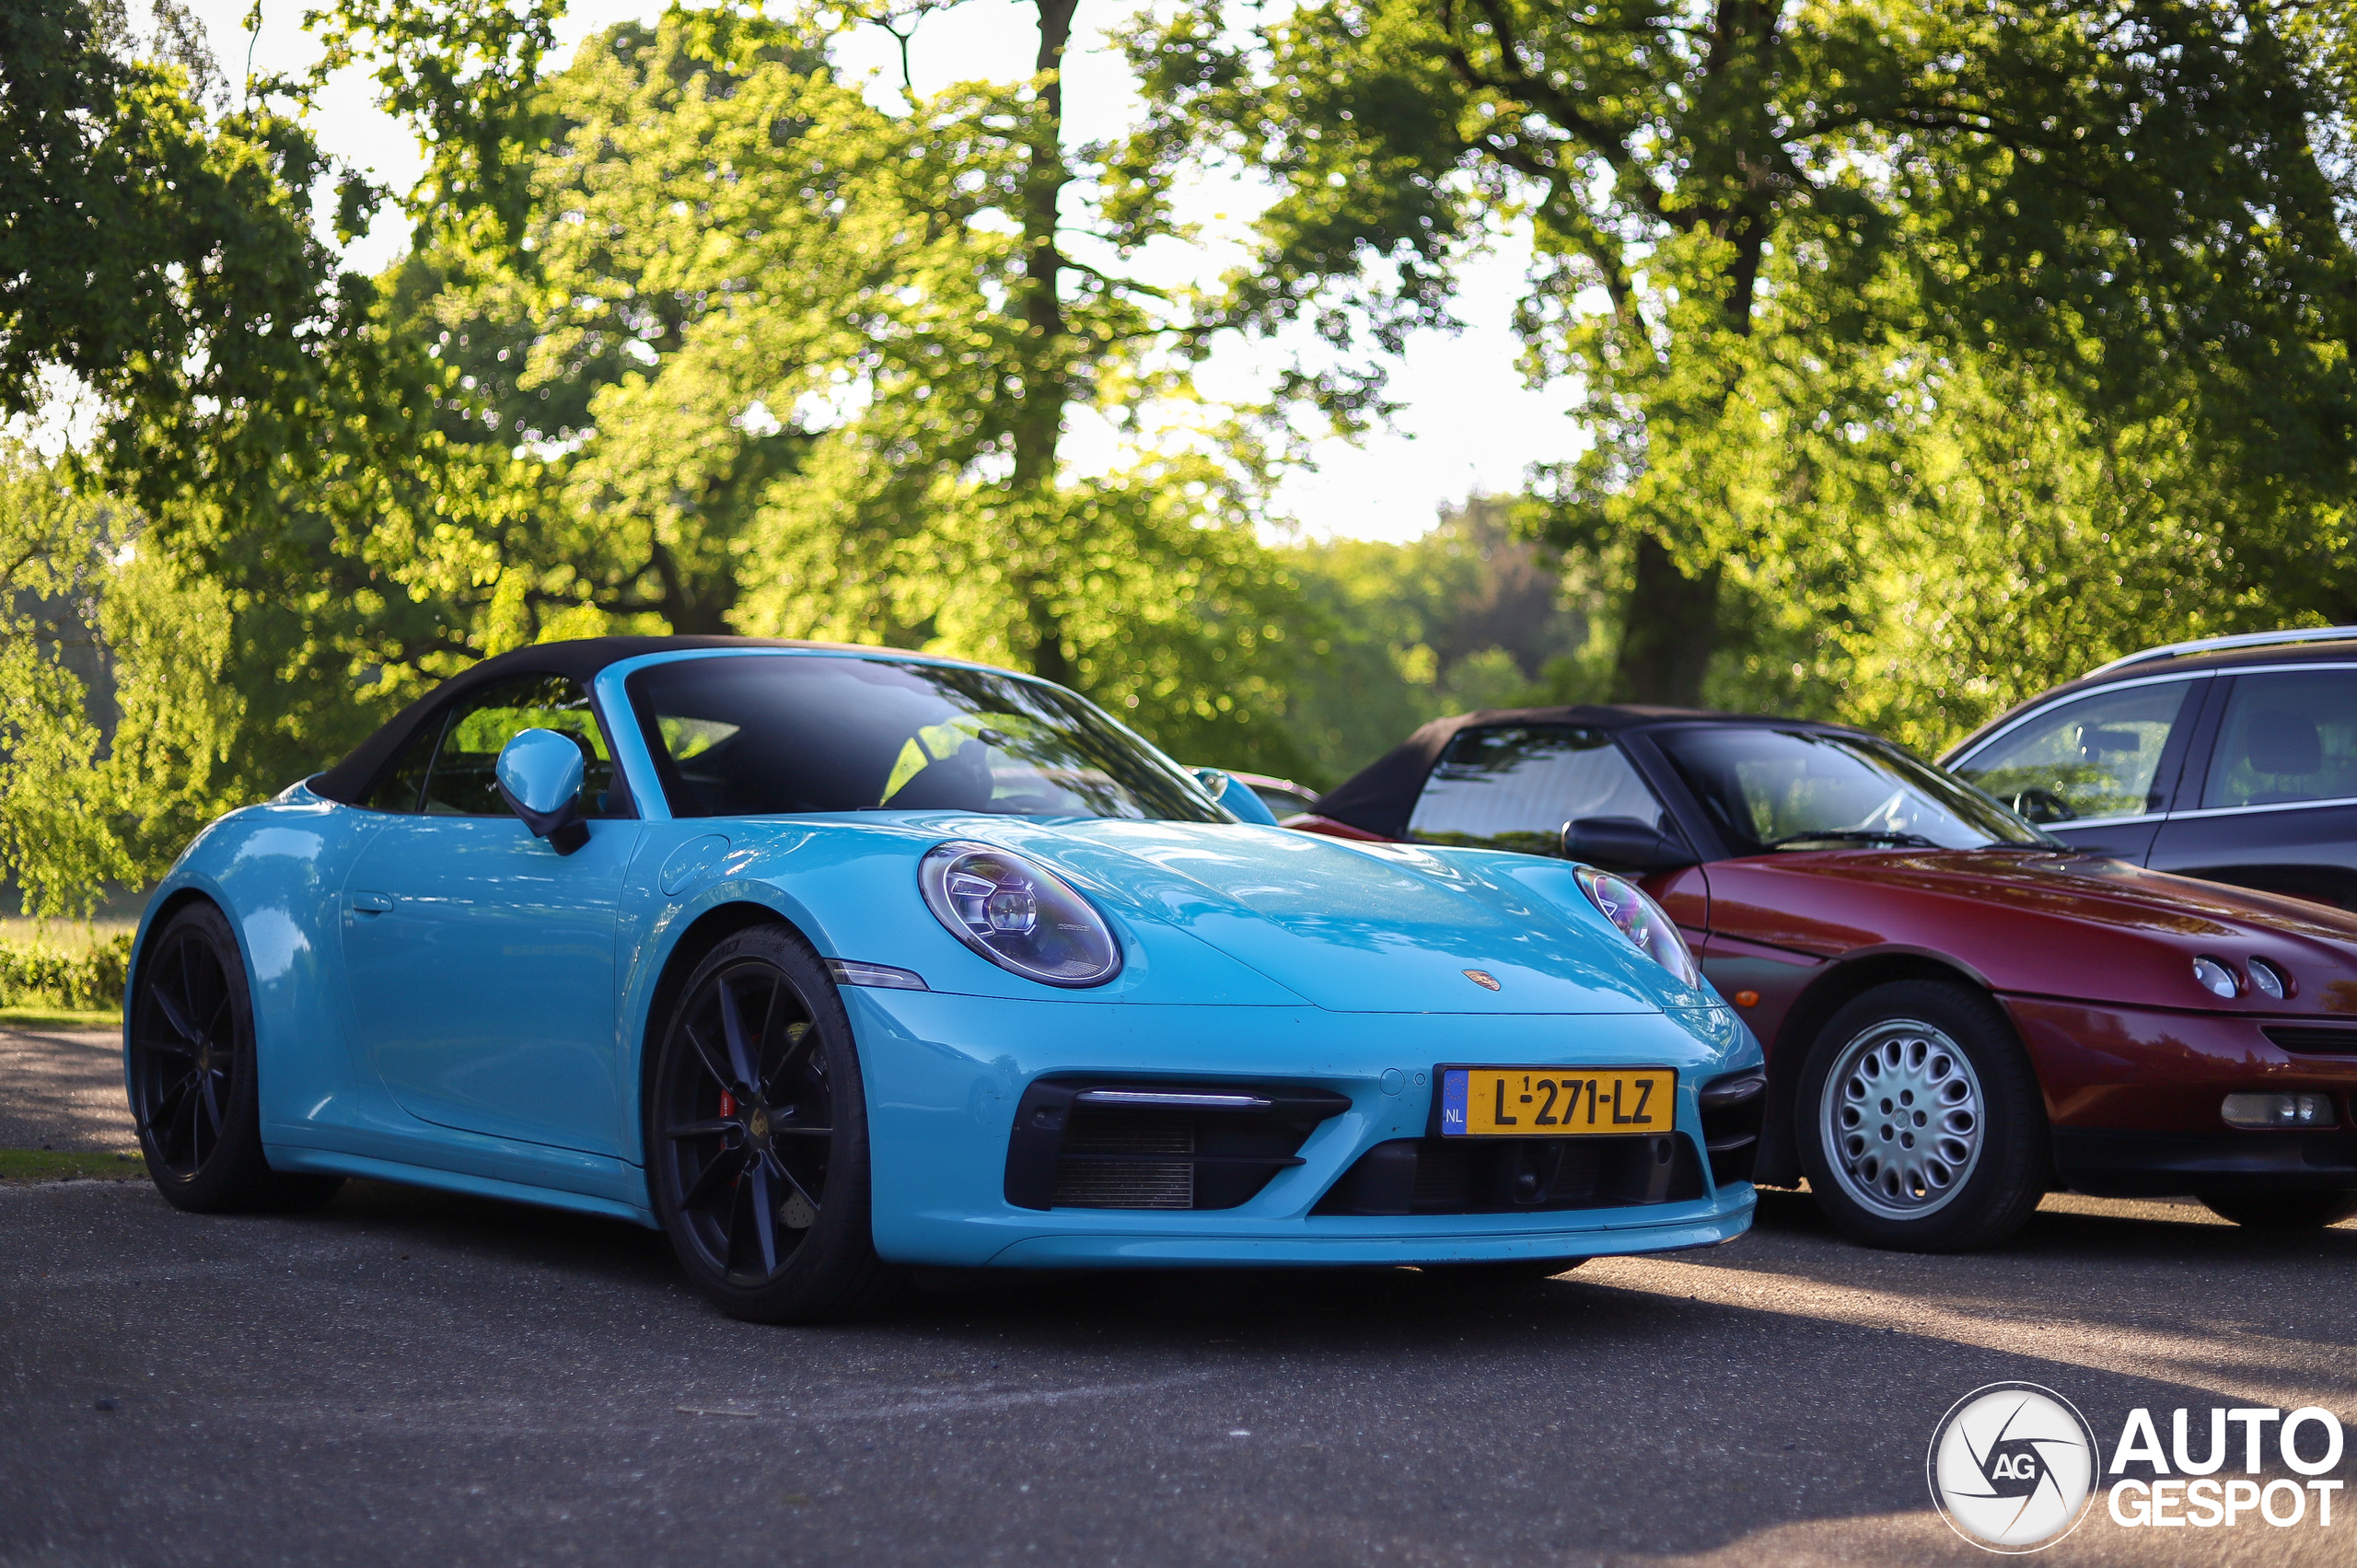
2012,1466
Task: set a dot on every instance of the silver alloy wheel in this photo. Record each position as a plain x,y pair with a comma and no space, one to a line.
1902,1119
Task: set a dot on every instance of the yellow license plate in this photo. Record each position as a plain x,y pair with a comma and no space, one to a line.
1555,1102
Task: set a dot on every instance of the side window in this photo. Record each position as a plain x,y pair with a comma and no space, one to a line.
2284,737
402,788
2092,757
1515,788
461,781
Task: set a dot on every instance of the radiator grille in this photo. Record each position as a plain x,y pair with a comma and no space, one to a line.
1217,1150
1129,1183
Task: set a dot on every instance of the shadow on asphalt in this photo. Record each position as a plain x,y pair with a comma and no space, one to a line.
2144,1264
519,1384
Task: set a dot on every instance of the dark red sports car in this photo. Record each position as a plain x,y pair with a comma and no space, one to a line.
1960,1013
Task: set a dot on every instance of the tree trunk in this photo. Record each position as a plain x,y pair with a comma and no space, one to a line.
1039,417
1669,628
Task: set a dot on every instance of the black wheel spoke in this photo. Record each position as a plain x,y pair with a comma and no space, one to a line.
180,1142
190,949
794,1130
732,1029
740,1239
703,1129
712,1063
795,1182
763,1211
722,1170
762,1041
211,1100
798,1043
176,1018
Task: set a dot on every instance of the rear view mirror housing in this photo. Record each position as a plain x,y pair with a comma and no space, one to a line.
1625,845
538,776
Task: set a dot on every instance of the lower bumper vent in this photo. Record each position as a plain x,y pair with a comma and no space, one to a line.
1088,1143
1466,1176
2312,1039
1733,1109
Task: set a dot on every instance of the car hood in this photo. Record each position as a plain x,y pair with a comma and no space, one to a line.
1373,928
2059,921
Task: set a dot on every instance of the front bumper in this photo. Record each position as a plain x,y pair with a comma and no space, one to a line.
2132,1095
945,1074
2165,1165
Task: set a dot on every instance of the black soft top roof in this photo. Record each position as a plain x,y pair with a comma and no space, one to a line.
1381,797
581,661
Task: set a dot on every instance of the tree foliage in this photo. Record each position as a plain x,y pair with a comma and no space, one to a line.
1733,207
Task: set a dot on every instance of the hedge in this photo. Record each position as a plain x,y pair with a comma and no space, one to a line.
90,980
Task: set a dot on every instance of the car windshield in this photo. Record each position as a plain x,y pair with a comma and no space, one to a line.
755,734
1776,789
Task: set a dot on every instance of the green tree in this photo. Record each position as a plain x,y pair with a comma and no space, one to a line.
1466,617
1732,205
115,724
777,359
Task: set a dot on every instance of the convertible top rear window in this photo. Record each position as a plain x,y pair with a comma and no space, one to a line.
1514,787
747,735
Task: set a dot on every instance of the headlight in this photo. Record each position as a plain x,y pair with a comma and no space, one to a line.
1020,916
1644,923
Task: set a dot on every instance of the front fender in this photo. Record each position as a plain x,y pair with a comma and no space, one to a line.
273,870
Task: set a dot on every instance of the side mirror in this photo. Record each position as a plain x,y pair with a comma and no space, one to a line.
1236,795
1625,845
539,778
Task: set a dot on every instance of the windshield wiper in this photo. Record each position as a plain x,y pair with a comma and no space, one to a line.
1854,835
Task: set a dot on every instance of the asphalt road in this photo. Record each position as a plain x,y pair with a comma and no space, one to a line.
404,1377
62,1090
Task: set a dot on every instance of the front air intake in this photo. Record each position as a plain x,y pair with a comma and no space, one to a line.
2312,1039
1733,1108
1089,1144
1495,1176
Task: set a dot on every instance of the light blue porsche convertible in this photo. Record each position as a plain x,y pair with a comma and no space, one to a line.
833,961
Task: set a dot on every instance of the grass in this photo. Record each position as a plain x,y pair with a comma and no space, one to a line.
20,1166
39,1018
61,936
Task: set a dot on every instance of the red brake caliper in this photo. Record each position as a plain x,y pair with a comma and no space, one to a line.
728,1108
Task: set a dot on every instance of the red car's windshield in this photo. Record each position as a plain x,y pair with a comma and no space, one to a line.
1772,789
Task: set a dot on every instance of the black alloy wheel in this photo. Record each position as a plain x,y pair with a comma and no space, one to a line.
757,1137
193,1074
1920,1119
2281,1210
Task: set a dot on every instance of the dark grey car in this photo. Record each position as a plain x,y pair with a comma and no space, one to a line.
2233,759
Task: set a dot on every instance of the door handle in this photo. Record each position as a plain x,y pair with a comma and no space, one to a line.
372,903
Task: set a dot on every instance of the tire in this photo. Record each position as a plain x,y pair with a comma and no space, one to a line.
1920,1122
2281,1210
756,1138
1516,1271
191,1067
